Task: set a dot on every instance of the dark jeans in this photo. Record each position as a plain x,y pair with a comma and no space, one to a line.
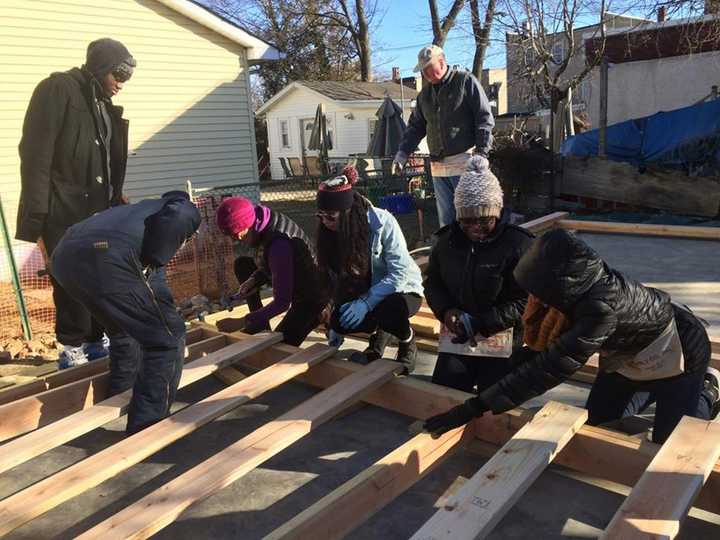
614,396
465,372
74,324
302,317
391,315
147,336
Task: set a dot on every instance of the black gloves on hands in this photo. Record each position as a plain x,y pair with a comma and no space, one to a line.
455,417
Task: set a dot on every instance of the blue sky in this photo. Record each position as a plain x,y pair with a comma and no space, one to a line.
405,28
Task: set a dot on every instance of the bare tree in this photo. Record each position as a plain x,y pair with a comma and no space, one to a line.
481,33
441,28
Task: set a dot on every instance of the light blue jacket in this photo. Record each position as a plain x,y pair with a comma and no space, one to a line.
393,269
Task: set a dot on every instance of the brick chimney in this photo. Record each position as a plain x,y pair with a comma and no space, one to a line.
396,74
661,14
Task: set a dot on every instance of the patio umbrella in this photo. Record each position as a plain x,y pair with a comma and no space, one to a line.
319,138
388,131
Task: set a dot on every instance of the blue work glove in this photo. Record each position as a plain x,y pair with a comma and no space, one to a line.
469,331
353,313
335,339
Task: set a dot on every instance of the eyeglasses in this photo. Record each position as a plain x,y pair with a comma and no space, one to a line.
324,216
482,221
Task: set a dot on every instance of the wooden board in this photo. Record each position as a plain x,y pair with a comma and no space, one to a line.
66,429
39,410
663,189
341,511
544,223
66,376
595,451
644,229
662,497
161,507
493,490
58,488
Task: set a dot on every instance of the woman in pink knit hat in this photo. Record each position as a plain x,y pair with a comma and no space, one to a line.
284,256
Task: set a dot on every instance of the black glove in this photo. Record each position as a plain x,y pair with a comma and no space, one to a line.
455,417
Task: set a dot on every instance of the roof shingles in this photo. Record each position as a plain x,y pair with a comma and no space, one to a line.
359,91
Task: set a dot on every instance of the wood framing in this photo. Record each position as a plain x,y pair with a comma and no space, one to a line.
662,497
68,428
67,376
39,410
58,488
493,490
643,229
595,451
161,507
341,511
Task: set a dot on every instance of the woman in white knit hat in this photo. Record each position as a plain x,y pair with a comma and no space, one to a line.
470,286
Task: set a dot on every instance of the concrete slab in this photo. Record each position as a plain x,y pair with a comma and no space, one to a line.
687,269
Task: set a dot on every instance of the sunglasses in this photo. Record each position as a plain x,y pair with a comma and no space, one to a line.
482,221
327,217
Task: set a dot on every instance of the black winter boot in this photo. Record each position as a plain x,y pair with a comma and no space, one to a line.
711,390
375,349
407,353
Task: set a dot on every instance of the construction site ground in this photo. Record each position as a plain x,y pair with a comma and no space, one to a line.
560,504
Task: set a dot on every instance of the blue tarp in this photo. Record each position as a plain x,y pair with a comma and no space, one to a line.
687,138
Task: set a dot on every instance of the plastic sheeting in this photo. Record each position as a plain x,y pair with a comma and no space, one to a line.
687,138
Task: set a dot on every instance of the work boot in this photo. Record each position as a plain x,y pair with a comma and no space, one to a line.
711,388
375,349
71,356
407,353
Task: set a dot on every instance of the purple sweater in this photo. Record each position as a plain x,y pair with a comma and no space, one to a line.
280,260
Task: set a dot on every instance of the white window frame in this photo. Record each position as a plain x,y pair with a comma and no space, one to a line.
284,130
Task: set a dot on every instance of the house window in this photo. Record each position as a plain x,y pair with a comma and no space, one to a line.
558,52
284,134
372,126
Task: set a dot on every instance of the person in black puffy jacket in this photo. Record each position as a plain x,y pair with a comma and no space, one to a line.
608,314
470,275
113,262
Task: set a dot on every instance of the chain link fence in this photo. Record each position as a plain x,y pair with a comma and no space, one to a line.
204,266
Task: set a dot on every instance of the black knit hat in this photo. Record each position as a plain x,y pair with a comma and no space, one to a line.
106,55
337,193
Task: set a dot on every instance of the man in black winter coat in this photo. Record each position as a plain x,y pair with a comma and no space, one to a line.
470,277
113,263
73,155
646,343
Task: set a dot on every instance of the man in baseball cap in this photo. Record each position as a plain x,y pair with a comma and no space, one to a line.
454,114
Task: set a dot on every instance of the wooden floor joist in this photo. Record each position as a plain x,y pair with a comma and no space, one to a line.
596,451
66,376
341,511
39,410
493,490
66,429
161,507
644,229
662,497
54,490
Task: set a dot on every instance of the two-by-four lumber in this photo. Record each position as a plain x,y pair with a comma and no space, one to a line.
161,507
33,444
66,376
32,412
595,451
341,511
493,490
664,494
543,223
83,475
644,229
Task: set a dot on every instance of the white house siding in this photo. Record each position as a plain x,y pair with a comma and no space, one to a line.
187,102
637,89
350,136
